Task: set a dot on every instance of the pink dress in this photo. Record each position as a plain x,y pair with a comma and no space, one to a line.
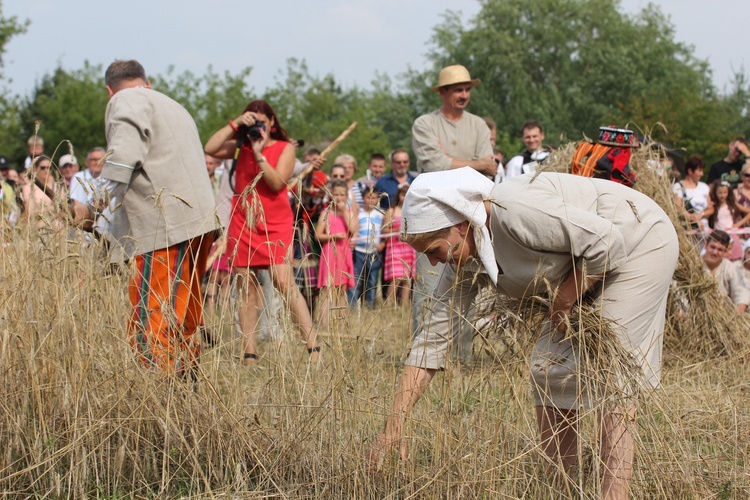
336,260
400,257
725,221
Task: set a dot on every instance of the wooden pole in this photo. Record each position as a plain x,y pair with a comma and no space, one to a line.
330,148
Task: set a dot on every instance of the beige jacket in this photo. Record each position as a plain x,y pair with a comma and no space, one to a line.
154,148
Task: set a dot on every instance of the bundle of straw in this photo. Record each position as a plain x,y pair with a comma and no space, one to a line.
701,321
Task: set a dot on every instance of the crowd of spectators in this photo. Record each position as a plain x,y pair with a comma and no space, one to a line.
346,251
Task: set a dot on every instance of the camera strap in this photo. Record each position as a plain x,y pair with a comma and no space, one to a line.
237,150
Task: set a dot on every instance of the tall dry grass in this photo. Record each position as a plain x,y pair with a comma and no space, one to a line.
79,417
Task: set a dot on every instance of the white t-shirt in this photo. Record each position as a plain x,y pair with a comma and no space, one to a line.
698,196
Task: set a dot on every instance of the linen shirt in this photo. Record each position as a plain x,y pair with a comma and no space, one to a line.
541,226
435,140
730,282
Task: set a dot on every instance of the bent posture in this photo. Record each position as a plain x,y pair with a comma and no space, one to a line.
528,232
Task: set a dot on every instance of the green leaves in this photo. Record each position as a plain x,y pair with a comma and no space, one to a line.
70,106
579,64
572,64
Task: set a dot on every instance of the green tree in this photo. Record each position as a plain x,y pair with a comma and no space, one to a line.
11,140
576,65
212,99
69,106
9,27
318,110
393,111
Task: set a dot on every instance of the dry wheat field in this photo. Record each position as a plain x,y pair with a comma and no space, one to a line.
80,418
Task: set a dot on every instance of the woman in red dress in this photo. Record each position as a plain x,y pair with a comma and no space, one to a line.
260,229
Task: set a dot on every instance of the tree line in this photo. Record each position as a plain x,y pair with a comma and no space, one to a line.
572,64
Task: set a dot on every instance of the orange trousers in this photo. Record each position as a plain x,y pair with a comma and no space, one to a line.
168,305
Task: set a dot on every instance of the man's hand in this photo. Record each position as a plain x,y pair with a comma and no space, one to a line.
487,166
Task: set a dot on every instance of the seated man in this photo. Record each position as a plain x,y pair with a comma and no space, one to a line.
727,276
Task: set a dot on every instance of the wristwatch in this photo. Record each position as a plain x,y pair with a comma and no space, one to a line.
262,159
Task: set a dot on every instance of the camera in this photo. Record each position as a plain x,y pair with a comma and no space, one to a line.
251,133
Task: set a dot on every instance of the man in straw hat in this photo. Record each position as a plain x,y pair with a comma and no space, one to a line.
449,138
573,240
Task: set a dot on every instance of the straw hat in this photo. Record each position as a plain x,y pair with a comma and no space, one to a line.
454,74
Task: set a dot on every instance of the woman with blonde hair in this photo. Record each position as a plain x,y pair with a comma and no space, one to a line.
355,188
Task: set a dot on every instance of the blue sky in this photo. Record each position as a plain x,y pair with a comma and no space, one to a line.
351,39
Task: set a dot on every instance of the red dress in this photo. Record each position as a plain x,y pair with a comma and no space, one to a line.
265,237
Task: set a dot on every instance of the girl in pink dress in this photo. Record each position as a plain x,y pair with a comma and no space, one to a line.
334,231
725,213
400,258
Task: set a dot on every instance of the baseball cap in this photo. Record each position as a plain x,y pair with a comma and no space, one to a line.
4,162
67,160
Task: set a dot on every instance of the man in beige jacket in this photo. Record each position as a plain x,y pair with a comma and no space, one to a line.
162,215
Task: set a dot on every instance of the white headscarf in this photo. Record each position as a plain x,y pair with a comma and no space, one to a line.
438,200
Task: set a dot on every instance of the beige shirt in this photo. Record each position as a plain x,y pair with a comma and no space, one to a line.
435,140
154,149
540,227
730,282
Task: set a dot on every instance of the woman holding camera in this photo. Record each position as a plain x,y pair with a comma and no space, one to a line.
260,229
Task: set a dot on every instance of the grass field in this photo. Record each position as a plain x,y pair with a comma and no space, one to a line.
79,417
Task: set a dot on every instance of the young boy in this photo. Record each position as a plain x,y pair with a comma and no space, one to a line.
367,248
727,276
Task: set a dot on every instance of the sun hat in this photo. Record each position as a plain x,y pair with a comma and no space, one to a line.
437,200
451,75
